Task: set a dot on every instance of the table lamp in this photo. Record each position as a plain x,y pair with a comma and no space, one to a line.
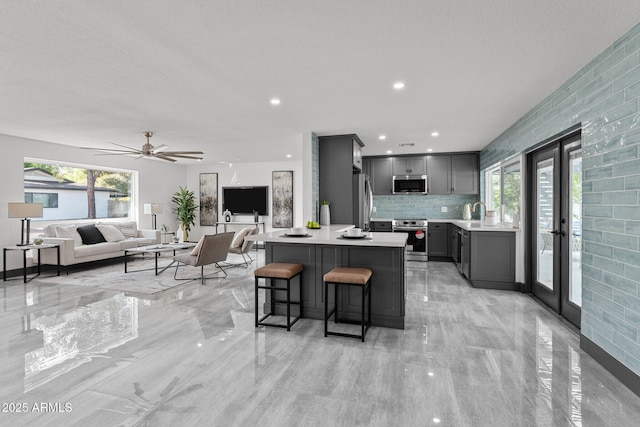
25,211
153,209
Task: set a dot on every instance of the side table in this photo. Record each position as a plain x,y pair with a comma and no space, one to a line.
24,250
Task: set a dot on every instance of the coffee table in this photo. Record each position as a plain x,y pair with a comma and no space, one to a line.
156,250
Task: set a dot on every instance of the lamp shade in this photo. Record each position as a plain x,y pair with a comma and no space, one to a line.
152,208
25,210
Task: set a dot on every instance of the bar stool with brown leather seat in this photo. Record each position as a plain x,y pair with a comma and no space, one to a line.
279,271
348,276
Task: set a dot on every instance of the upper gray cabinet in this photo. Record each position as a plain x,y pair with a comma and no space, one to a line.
357,153
465,174
453,174
409,165
439,174
379,170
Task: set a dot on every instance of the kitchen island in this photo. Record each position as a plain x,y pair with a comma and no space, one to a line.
323,249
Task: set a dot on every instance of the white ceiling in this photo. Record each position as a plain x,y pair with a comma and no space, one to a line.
200,73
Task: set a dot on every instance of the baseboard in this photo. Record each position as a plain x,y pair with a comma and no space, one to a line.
611,364
502,286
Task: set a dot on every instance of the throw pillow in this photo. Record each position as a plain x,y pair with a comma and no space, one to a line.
238,239
69,232
90,235
128,229
110,233
196,250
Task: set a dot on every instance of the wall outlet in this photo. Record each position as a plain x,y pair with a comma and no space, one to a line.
374,209
444,209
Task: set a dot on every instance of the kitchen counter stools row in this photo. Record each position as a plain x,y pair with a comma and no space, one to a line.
338,276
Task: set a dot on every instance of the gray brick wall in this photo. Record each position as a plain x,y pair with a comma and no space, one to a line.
604,98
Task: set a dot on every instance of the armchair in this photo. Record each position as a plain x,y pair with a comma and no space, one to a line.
245,247
213,249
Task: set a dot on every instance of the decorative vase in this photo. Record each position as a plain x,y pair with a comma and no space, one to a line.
325,215
227,215
180,234
466,211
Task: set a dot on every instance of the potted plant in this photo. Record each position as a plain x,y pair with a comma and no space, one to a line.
185,209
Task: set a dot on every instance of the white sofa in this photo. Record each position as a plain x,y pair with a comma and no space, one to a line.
73,251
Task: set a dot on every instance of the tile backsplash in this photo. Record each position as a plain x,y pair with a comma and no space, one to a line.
422,206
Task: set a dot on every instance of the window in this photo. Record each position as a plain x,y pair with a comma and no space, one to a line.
503,189
78,191
48,200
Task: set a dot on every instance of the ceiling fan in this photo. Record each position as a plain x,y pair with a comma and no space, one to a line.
149,151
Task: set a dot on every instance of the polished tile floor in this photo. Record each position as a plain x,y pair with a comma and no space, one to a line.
77,355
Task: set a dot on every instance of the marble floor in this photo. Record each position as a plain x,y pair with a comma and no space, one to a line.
74,355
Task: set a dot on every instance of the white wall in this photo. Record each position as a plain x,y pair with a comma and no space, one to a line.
157,181
246,174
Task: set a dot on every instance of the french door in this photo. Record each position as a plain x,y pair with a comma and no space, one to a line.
555,229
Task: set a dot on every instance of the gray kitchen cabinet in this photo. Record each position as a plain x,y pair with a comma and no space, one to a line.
454,247
336,167
465,253
366,167
492,260
453,174
409,165
380,174
465,174
357,153
384,226
438,240
438,174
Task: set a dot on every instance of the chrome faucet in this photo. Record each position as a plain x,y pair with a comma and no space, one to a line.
478,203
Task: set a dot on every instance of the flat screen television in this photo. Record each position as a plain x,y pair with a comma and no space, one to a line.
245,200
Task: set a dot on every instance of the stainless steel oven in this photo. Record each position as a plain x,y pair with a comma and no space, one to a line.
417,240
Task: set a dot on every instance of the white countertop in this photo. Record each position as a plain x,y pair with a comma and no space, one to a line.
330,235
477,225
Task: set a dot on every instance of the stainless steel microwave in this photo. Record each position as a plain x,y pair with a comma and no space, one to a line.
410,184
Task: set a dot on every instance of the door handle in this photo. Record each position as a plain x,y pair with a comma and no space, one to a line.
556,232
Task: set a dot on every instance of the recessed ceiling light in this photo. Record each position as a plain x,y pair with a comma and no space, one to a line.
382,137
429,150
435,133
288,156
398,85
389,151
436,420
275,101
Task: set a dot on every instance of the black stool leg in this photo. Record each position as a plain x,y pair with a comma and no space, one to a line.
288,303
335,301
257,302
364,292
369,291
326,306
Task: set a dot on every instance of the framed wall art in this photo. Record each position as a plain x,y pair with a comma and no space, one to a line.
282,199
208,198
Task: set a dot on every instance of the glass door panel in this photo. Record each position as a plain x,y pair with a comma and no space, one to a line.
575,228
544,221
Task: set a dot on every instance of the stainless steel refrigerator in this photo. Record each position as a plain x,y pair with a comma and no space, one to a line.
362,201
